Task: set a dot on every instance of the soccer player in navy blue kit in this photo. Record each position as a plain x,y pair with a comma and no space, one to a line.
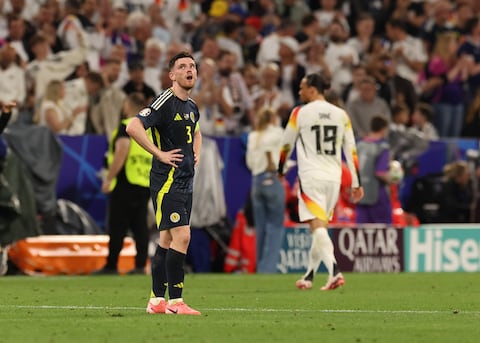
173,119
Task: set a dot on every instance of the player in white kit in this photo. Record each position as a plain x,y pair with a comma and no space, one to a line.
320,131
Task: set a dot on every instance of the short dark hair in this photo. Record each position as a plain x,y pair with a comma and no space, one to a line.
183,54
425,110
95,77
317,80
378,123
471,24
398,24
36,39
308,20
397,109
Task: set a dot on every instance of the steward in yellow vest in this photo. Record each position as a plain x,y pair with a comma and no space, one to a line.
127,185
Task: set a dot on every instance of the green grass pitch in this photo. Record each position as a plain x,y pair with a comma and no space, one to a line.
404,307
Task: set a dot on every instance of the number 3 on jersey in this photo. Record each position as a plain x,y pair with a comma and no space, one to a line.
189,134
325,142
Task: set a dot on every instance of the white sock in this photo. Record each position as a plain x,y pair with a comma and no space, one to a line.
315,255
325,246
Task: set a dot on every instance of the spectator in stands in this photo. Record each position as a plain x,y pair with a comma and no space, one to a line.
438,21
308,34
152,61
393,88
269,94
457,194
463,13
469,49
46,67
19,33
88,17
294,10
374,158
174,47
140,29
12,78
365,27
405,144
327,14
471,127
70,30
251,75
106,113
407,51
236,105
270,44
268,194
45,24
84,92
422,121
352,90
315,60
251,39
229,40
55,113
448,96
206,95
340,56
365,107
116,32
413,12
291,72
136,81
209,49
159,26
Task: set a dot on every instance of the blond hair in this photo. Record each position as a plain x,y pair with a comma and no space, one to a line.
454,170
52,92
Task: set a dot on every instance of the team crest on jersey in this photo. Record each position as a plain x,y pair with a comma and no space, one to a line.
174,217
186,116
192,116
145,112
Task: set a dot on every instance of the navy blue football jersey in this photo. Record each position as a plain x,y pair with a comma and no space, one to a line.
173,122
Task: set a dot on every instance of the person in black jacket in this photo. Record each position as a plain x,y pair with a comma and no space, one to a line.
457,193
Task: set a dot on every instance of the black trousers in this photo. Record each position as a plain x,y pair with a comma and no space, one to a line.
127,210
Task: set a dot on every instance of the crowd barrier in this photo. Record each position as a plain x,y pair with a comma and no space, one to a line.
84,157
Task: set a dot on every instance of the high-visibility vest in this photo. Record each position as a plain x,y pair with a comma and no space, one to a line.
138,163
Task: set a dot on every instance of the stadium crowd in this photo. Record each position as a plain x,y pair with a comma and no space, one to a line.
69,64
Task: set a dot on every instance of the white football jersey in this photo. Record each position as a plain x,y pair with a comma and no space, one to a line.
321,131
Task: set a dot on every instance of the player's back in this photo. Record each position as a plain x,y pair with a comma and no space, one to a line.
321,127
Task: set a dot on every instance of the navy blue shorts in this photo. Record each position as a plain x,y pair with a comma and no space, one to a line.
172,209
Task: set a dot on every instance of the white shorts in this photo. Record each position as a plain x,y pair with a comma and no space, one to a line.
317,199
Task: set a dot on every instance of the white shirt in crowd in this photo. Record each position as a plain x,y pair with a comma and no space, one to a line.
259,143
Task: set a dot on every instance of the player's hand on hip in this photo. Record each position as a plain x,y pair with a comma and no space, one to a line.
172,157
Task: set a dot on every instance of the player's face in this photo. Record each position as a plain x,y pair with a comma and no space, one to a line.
304,91
184,73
